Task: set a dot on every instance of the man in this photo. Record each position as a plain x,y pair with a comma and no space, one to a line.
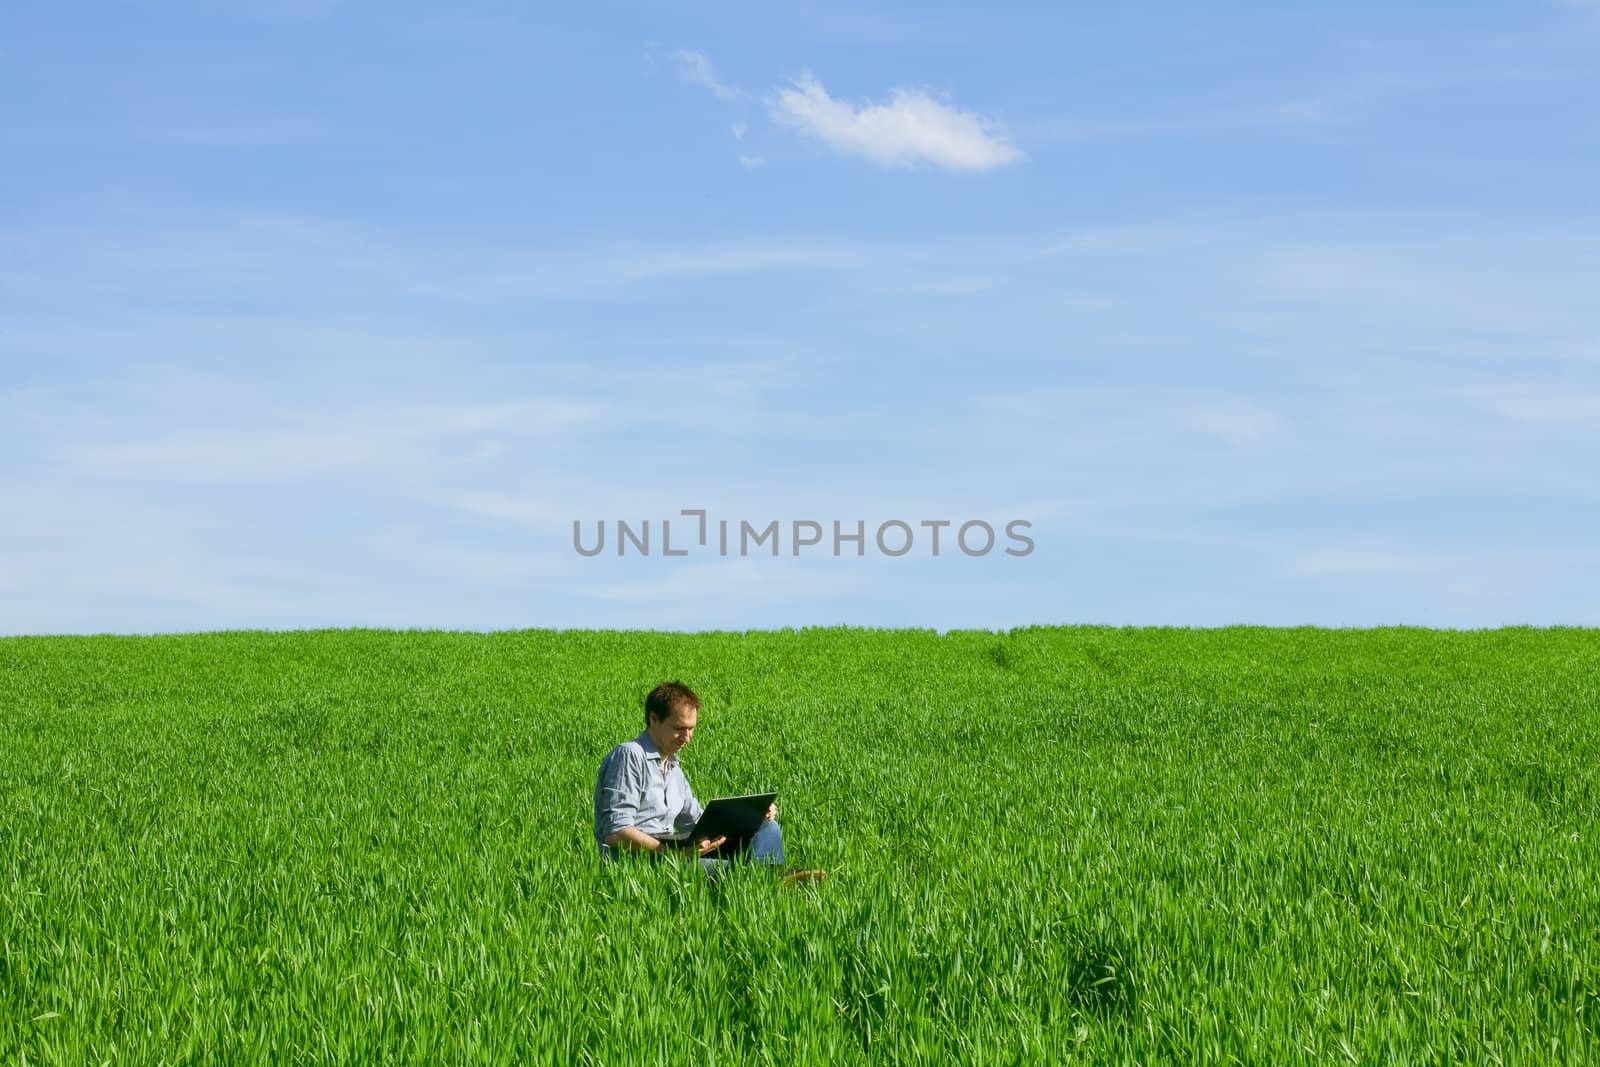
642,791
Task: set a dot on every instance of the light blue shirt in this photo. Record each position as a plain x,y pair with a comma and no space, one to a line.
639,787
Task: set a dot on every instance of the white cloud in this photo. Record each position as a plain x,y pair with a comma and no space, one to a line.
912,128
696,69
751,162
739,130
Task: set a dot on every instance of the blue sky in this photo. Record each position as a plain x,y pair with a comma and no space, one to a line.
324,314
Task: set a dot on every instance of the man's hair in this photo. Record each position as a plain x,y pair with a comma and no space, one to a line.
667,699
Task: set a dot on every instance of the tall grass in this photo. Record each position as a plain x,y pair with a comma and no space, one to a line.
1052,845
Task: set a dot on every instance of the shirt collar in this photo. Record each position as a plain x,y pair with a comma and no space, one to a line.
651,752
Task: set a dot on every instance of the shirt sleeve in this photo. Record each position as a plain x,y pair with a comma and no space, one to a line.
618,791
691,808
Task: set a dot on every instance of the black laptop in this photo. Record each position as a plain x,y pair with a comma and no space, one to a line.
736,818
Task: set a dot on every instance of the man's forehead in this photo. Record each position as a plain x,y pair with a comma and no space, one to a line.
683,716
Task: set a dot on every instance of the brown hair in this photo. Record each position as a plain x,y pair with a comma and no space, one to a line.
666,699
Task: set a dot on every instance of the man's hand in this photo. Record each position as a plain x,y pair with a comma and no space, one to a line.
709,845
772,811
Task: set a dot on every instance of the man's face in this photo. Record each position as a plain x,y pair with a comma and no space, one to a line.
673,733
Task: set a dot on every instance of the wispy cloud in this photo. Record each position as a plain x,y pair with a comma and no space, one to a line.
409,546
1335,103
737,580
1458,565
334,272
290,10
564,275
260,133
696,69
307,444
1356,561
912,128
1128,240
1235,424
525,508
1536,284
1345,102
75,555
1069,130
1142,412
740,259
1538,401
944,287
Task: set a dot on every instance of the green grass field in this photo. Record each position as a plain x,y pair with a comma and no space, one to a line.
1077,844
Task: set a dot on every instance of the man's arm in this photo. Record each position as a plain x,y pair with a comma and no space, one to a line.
630,837
634,839
617,795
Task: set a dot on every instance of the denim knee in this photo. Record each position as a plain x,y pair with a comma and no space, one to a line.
767,844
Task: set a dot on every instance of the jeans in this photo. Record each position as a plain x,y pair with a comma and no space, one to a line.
766,846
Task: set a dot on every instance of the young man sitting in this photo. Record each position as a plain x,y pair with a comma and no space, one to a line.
642,794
